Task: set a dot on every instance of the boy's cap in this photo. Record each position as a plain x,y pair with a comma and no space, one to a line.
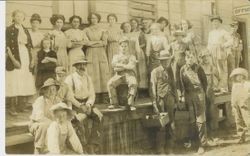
205,52
123,39
63,106
60,70
164,55
234,23
239,71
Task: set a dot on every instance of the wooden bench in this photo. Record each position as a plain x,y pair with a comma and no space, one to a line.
18,139
221,111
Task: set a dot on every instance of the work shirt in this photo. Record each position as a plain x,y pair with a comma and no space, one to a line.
218,37
163,81
67,95
128,60
57,134
41,109
81,86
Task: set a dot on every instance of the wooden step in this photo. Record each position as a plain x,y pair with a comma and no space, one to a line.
18,139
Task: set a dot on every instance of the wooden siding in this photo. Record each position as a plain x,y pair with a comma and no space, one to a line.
29,7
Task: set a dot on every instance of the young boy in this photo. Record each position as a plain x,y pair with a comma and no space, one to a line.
124,65
61,130
240,101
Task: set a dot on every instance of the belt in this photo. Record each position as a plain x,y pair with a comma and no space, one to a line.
82,100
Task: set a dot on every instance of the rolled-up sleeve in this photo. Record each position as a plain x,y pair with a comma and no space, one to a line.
91,98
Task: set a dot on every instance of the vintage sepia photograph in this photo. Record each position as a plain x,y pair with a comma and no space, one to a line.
136,77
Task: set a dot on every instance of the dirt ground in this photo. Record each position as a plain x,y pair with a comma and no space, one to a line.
227,145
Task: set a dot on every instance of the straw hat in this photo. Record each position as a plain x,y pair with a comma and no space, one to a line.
164,55
123,39
80,60
62,106
205,52
239,71
216,17
60,70
49,82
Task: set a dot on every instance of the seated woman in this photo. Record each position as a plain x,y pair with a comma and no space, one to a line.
41,117
61,130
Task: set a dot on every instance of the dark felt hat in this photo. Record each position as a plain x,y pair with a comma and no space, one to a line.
216,17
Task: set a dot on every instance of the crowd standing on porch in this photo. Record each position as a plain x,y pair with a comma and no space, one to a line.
66,70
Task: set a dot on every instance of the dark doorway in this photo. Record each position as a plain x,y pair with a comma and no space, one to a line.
243,33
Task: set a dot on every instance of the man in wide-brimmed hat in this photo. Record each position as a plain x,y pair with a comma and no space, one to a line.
178,49
240,101
164,98
81,85
41,117
61,130
218,41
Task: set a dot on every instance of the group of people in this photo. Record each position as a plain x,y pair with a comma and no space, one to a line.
68,69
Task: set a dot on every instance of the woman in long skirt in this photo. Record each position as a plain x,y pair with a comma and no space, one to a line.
96,41
36,38
114,34
59,40
19,80
76,37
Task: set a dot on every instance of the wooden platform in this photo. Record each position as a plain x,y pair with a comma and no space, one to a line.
123,130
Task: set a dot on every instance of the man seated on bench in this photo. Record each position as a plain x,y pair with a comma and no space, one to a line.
82,87
124,65
164,99
41,116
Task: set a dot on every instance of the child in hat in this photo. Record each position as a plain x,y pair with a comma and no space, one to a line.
240,101
61,130
124,65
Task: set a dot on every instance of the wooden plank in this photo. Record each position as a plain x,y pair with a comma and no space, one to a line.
117,9
144,2
34,3
144,8
18,139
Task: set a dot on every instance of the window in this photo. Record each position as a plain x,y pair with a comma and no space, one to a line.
141,9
